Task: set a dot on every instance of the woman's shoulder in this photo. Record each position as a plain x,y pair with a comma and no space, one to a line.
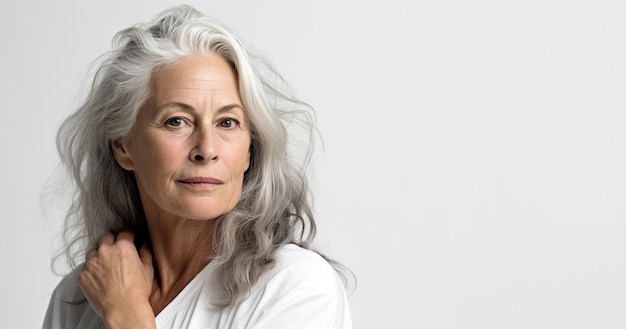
301,267
68,289
301,283
294,257
68,306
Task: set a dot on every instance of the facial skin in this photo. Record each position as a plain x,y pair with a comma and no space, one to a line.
190,146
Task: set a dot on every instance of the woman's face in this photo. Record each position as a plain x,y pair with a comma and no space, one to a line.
190,146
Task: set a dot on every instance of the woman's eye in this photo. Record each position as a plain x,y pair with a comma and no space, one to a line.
175,122
228,123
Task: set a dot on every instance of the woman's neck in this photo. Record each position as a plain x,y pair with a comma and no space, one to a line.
181,248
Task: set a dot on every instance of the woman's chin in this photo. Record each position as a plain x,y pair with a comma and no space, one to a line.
203,214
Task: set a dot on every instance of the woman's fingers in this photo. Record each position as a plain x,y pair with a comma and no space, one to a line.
146,258
111,244
145,254
125,235
118,277
89,256
109,239
106,239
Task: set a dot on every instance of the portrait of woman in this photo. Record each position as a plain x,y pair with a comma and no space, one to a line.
189,210
313,164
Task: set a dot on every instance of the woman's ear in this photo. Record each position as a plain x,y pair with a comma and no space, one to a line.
122,156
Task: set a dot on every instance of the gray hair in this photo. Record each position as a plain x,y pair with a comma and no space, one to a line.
274,208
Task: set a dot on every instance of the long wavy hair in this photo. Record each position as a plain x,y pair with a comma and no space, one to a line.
275,206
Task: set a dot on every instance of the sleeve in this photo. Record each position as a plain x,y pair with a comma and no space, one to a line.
69,309
52,316
307,308
306,293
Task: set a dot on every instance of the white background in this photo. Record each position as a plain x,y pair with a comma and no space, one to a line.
473,174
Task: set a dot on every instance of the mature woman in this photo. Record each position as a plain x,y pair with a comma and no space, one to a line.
188,209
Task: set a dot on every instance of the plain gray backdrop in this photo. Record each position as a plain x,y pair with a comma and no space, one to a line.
473,170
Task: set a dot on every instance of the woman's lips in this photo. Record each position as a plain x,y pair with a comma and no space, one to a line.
201,181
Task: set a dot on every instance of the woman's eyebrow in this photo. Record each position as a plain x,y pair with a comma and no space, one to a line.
182,106
191,109
231,108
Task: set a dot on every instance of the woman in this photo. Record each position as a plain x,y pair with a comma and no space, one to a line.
188,210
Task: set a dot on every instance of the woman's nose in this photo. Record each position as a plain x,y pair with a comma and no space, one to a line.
204,145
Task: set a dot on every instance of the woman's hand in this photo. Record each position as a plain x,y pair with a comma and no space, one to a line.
117,281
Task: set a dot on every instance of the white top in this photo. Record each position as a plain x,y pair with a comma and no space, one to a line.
301,291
